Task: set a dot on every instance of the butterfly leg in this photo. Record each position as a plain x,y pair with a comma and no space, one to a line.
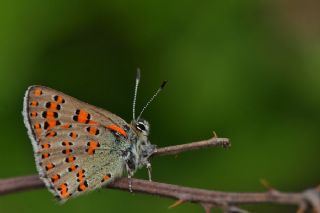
129,177
149,168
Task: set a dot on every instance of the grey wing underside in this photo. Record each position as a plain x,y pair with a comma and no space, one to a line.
99,169
76,172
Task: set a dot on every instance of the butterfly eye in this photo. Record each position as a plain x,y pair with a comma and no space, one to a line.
141,126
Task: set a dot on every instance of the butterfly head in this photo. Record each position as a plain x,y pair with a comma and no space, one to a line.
143,146
142,149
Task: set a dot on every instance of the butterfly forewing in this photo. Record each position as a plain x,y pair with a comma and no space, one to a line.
74,142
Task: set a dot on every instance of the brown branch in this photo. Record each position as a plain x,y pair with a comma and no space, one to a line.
172,150
206,198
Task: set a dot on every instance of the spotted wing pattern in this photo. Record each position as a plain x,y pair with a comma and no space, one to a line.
77,146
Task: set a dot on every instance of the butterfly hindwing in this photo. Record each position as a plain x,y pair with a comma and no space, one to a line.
77,146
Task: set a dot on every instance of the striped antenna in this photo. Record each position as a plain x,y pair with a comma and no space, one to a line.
135,94
151,99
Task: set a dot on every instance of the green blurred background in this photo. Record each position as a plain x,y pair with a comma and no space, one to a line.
248,70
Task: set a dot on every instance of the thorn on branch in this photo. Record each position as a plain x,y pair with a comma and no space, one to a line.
266,185
177,203
207,207
234,209
215,134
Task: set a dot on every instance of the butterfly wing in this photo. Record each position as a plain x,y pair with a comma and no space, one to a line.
78,147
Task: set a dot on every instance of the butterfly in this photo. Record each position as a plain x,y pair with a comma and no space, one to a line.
79,147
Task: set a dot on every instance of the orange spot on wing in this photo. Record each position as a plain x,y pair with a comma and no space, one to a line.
83,186
53,106
70,159
50,115
34,103
62,186
65,194
33,114
106,178
64,190
37,125
92,147
37,92
118,129
49,166
45,146
72,168
83,116
54,178
58,99
67,151
45,155
51,134
80,175
93,130
74,135
51,123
